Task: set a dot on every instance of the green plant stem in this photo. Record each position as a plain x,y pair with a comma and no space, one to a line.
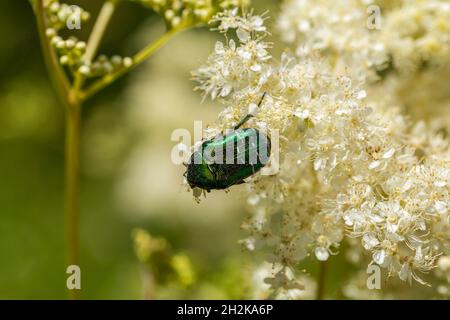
95,38
72,168
137,59
98,31
57,74
321,280
72,97
73,115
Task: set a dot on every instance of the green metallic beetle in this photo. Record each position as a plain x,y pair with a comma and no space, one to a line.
226,160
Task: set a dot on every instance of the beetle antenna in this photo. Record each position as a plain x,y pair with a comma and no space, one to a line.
262,98
249,116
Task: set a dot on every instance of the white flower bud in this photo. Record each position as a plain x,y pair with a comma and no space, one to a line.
70,43
175,21
116,60
185,13
253,109
321,253
56,40
361,94
127,62
388,154
304,26
374,164
444,263
107,67
84,70
61,44
169,14
85,16
243,35
54,7
64,60
50,32
81,45
379,256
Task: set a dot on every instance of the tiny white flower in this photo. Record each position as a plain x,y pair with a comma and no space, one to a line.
304,25
361,94
440,184
321,253
256,67
127,62
302,114
370,241
379,257
253,109
419,254
405,272
85,70
374,164
388,154
243,35
440,206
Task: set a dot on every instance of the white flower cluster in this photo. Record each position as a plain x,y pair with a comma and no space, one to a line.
411,33
176,12
71,51
104,65
402,44
337,28
234,65
59,13
350,167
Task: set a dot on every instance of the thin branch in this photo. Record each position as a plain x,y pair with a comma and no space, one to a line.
57,74
69,97
98,31
72,182
140,57
321,281
95,39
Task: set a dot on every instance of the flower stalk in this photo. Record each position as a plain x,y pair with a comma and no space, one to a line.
98,31
72,168
57,75
138,58
73,119
321,280
73,96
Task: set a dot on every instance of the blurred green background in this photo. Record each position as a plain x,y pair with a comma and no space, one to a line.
127,178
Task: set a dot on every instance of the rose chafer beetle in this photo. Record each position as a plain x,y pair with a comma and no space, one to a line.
228,159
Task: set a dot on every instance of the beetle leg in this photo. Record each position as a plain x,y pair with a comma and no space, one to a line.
197,192
243,120
213,173
249,116
262,98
